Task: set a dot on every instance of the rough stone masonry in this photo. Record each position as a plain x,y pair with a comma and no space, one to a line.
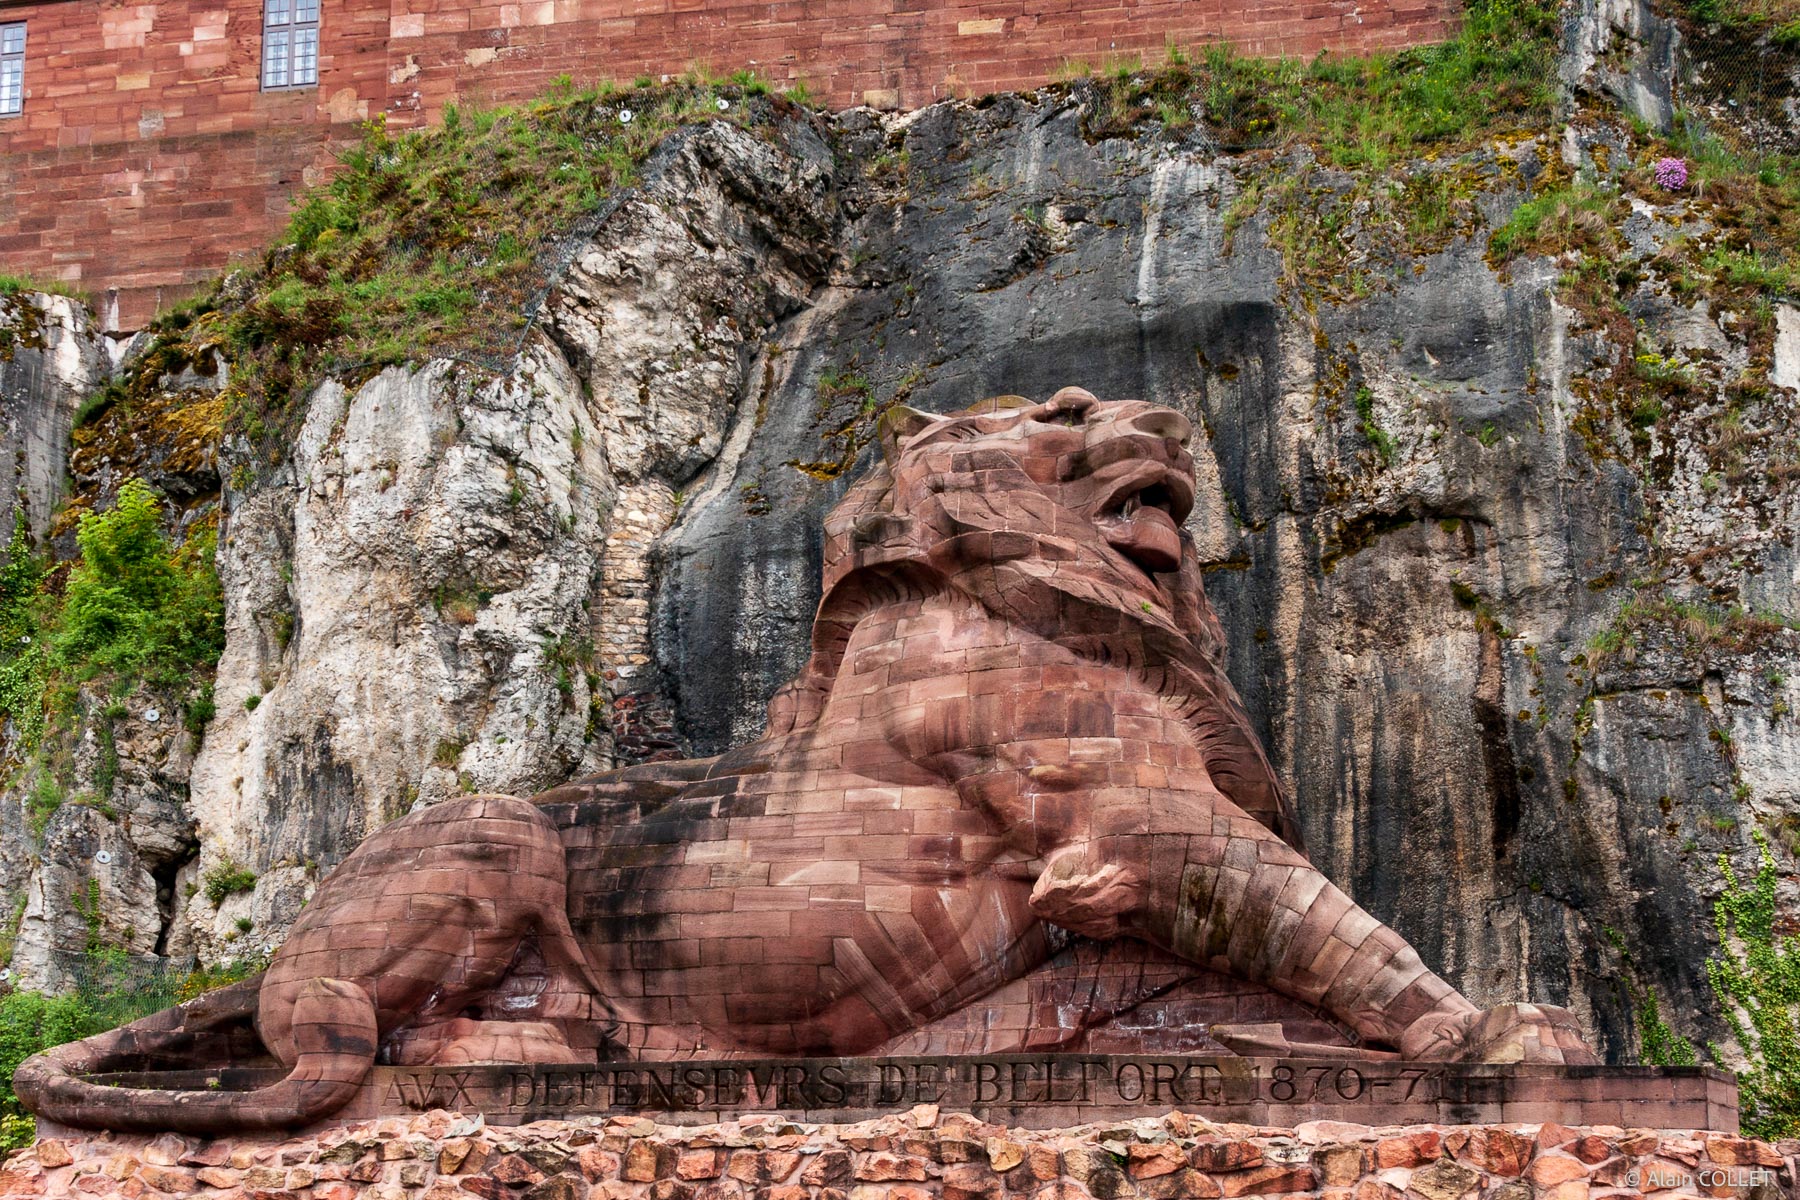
923,1154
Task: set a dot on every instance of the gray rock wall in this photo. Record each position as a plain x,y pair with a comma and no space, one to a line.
51,357
1411,630
445,586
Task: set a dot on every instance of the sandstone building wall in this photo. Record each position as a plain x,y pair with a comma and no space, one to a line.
147,154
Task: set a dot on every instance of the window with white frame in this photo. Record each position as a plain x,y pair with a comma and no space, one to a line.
12,69
290,43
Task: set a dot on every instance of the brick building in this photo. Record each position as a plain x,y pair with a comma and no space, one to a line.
142,145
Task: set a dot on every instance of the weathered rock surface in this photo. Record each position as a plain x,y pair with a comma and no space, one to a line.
51,357
1413,628
86,873
413,602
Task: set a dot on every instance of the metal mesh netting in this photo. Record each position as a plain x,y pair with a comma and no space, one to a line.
1743,80
115,987
118,987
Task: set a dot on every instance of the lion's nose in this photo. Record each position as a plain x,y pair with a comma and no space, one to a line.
1161,423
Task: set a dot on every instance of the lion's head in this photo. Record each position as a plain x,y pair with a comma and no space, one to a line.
1063,518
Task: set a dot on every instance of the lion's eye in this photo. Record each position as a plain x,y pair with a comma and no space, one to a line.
1069,417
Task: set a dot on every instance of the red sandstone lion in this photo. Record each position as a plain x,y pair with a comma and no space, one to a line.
1014,727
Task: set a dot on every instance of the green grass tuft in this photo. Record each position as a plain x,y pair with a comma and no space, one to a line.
228,879
12,285
1368,111
1578,217
440,241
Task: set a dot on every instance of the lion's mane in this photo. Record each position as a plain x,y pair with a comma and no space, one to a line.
950,506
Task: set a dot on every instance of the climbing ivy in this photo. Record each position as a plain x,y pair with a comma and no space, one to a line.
1659,1044
1756,978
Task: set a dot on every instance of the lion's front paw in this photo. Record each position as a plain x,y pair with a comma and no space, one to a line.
1091,903
1506,1033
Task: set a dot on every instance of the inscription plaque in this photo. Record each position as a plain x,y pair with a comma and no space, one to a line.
1059,1090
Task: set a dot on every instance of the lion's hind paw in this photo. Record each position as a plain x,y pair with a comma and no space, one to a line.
463,1041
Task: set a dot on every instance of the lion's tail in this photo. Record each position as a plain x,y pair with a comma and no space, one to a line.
334,1031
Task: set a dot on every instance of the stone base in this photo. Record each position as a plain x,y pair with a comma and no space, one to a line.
1039,1091
923,1154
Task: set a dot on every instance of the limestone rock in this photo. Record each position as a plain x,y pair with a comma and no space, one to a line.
462,558
51,357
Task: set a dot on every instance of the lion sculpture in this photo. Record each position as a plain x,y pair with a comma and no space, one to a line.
1012,763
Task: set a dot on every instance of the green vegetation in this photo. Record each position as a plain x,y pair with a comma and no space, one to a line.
22,666
12,285
1773,270
1781,18
1757,981
1408,129
132,609
135,607
31,1022
1381,439
848,416
439,240
1701,627
1660,1046
228,879
1364,112
1753,199
1578,217
112,993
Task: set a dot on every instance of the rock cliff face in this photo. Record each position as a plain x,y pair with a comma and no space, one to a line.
1480,608
50,359
445,587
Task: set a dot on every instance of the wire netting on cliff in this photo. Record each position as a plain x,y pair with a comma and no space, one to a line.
101,989
1736,128
1742,72
115,987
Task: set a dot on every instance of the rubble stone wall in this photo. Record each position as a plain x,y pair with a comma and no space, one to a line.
920,1155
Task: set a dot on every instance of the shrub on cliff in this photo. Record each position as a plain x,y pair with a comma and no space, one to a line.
133,608
135,605
31,1022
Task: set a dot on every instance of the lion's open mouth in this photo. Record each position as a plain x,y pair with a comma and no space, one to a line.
1141,516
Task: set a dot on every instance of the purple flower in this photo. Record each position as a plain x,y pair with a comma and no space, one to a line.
1670,174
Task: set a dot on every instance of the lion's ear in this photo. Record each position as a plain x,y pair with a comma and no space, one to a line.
899,423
